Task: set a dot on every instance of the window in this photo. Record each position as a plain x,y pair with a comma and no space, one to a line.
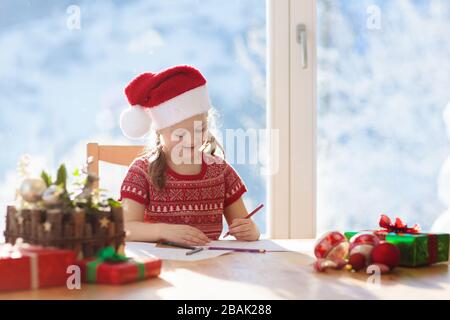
383,113
363,109
64,67
291,104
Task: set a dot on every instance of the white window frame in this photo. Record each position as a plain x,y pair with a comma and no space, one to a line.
291,97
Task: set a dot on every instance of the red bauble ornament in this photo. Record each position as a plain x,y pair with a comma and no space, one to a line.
357,261
386,253
361,245
364,250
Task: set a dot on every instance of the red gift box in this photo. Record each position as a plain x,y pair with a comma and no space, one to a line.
113,268
30,267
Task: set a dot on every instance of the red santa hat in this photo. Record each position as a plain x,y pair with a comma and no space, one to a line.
160,100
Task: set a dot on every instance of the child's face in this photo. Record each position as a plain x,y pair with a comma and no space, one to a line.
185,137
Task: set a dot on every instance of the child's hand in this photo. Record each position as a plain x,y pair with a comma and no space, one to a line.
184,234
244,229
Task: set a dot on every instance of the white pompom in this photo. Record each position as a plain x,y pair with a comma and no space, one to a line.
135,122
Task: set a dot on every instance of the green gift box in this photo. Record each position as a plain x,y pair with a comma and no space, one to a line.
416,249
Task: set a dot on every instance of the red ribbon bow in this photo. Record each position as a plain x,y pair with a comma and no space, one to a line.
398,226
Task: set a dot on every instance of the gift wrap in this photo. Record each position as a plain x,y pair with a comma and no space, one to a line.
31,267
417,249
113,268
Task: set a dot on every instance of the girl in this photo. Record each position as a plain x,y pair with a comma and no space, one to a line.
180,189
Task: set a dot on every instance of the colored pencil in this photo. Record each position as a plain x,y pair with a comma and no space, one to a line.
177,245
248,216
194,251
238,249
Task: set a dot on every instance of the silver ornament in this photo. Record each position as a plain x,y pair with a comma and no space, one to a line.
32,189
52,195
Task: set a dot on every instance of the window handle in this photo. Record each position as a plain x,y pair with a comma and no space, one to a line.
301,39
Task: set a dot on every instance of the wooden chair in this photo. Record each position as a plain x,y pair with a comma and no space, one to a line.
120,155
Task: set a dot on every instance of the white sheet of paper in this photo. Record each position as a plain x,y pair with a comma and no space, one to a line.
265,244
146,249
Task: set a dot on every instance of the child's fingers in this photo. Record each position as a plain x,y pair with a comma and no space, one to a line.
238,222
191,240
243,235
197,233
187,242
197,241
200,236
240,228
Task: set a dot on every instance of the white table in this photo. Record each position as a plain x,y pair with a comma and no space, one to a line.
275,275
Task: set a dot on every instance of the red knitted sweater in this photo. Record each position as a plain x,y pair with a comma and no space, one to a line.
197,200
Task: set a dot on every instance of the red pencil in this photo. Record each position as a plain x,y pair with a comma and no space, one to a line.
248,216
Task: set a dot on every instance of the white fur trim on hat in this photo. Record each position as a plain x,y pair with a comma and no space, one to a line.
188,104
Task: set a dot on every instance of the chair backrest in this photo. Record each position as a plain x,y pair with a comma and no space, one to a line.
120,155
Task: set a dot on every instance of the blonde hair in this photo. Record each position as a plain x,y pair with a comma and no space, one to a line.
158,160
